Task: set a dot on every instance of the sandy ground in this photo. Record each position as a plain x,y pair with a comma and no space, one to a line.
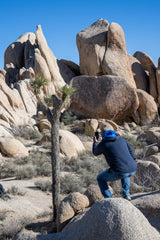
33,203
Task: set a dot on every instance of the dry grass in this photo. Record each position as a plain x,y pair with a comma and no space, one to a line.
36,164
12,227
14,190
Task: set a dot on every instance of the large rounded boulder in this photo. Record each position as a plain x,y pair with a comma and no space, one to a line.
147,109
108,219
109,97
70,144
12,147
147,174
111,219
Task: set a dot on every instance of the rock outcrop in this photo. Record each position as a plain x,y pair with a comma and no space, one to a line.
91,43
153,135
71,205
93,193
148,204
12,107
114,219
158,80
147,173
155,158
149,66
106,88
147,109
15,53
12,147
70,144
24,59
106,96
140,76
116,60
49,58
102,50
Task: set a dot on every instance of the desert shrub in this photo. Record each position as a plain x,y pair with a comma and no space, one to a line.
68,117
31,134
26,132
21,161
83,171
39,158
155,183
70,183
7,169
44,169
89,130
14,190
36,164
45,186
25,171
85,161
11,228
86,166
90,178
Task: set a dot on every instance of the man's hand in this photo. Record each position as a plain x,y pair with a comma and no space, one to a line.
95,139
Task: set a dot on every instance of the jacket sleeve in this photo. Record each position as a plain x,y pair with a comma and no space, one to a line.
130,150
97,148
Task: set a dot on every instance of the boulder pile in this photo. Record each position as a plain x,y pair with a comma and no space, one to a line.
107,219
110,83
111,86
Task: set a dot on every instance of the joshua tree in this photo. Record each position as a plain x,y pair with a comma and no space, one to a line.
51,107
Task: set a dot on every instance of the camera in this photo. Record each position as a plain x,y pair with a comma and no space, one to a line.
97,135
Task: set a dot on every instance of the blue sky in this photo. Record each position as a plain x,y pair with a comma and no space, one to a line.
62,20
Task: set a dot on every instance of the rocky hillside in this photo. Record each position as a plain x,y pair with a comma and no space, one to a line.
28,182
110,83
112,89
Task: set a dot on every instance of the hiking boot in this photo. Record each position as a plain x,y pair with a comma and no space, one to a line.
127,198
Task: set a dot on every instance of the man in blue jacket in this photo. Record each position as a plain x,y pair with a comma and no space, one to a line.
120,157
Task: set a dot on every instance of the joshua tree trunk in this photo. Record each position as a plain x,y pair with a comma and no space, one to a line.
55,161
53,117
55,154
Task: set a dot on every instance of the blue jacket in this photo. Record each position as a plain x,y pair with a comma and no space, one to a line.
118,153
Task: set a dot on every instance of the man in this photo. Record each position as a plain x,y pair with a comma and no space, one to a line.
120,157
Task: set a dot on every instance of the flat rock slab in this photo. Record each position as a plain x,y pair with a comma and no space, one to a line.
149,205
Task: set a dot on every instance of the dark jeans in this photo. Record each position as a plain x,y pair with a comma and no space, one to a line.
2,189
110,175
